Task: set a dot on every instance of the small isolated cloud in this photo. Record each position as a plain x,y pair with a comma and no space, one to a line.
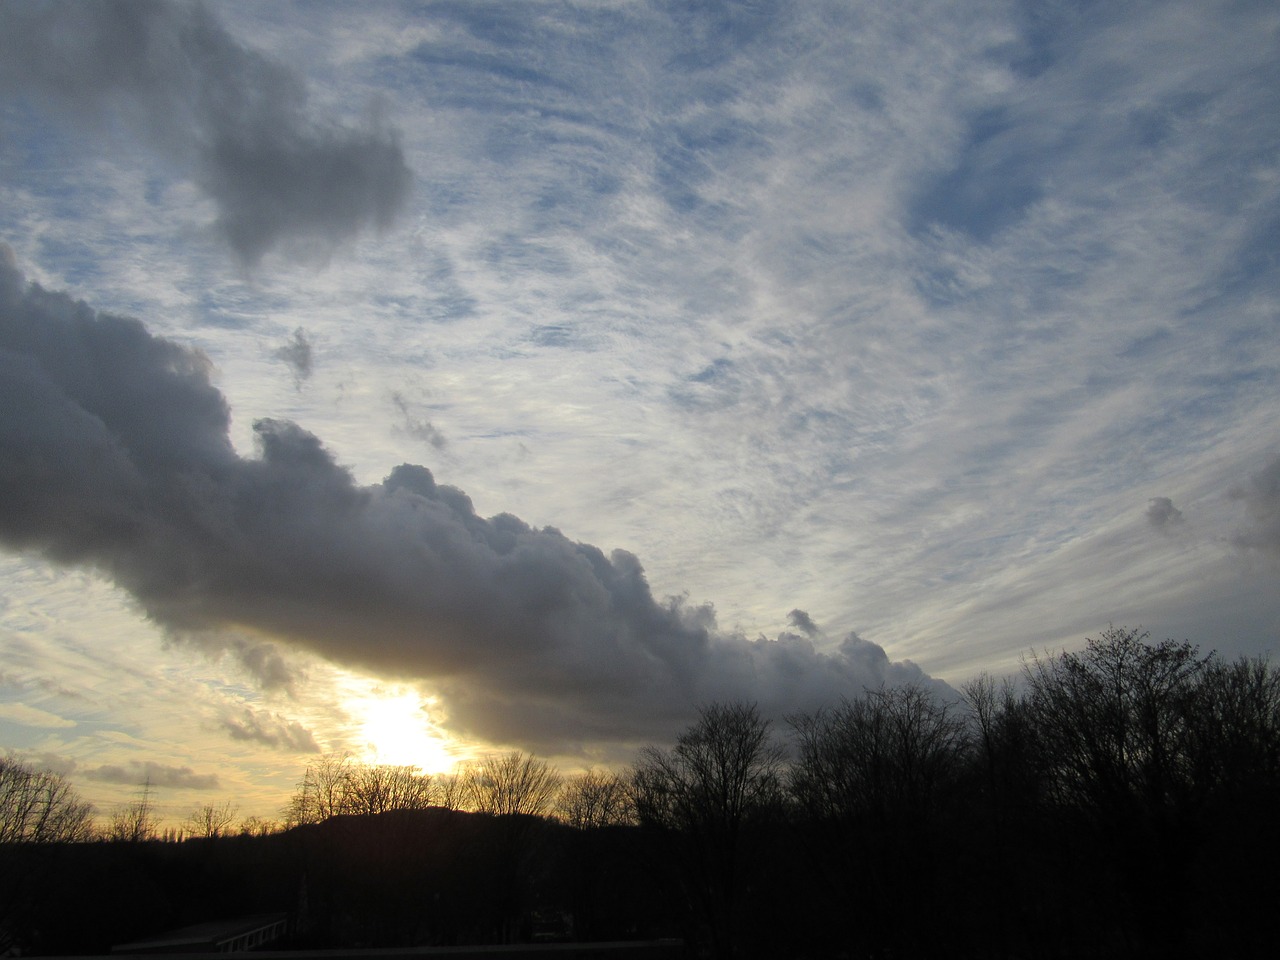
271,729
1261,499
260,659
265,663
297,355
28,716
137,773
236,119
415,426
1162,514
802,622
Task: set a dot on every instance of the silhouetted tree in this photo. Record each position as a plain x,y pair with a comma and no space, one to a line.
256,826
37,806
517,789
596,804
875,781
512,783
703,797
1112,723
1115,728
450,790
1235,732
1235,768
322,792
37,810
210,820
337,785
1007,794
594,798
133,822
1113,789
377,788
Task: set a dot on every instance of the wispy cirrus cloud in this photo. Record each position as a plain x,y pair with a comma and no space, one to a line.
29,716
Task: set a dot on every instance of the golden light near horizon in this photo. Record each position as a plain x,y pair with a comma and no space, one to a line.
394,726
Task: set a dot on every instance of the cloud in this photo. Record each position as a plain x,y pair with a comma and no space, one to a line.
270,729
1162,514
297,355
802,622
264,663
1261,498
29,716
136,773
114,453
236,119
52,762
417,427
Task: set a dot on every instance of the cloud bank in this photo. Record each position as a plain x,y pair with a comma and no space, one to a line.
174,77
114,453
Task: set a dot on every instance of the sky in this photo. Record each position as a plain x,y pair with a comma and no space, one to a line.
420,379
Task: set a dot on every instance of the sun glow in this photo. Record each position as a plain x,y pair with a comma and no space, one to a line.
395,726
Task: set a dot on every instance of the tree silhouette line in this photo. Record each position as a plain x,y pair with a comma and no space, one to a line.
1114,802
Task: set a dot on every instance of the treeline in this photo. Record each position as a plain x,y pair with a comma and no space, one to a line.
514,783
39,806
1116,802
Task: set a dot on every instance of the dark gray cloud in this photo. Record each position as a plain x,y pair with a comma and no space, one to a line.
297,355
264,663
802,622
1261,498
235,119
1162,514
137,773
270,729
114,453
